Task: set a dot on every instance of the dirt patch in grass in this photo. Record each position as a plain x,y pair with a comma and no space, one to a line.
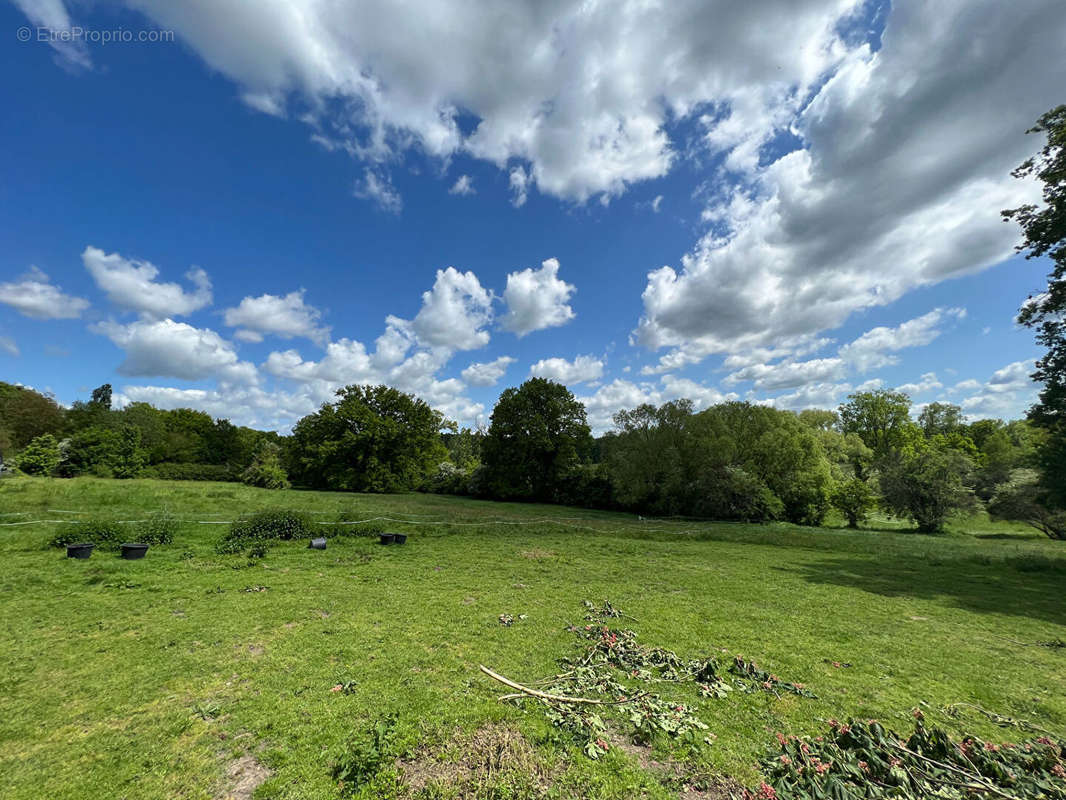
496,760
536,554
243,777
690,784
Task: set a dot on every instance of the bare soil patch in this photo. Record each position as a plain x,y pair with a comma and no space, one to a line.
243,777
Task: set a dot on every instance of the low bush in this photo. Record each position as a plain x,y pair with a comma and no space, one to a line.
104,533
190,472
158,528
263,528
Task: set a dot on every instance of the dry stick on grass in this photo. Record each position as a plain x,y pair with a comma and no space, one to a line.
551,698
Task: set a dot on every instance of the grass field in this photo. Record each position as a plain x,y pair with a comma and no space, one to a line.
166,677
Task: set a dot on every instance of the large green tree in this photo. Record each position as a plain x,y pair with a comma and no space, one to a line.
882,419
372,439
537,436
926,483
25,415
1044,234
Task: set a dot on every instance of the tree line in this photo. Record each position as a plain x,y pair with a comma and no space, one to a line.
733,461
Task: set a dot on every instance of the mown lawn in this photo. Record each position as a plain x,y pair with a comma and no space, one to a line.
149,679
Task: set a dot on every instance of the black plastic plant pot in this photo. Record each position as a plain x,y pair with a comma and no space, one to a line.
388,538
131,551
81,550
399,538
317,544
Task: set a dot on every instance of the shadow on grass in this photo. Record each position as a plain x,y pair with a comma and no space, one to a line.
1018,585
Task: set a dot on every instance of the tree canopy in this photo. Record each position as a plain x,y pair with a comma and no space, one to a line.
537,436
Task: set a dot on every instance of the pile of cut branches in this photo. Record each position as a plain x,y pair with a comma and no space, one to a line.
865,760
591,690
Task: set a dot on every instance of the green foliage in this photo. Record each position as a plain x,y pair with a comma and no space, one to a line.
103,532
537,437
158,528
855,500
263,528
862,759
102,396
26,414
266,471
926,484
1022,498
40,457
1044,230
364,754
104,452
170,471
372,439
882,419
940,418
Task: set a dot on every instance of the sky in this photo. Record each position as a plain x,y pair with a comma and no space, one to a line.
240,207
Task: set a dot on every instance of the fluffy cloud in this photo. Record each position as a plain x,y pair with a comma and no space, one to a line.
488,373
904,165
7,345
287,317
454,312
873,349
576,95
537,299
131,285
35,296
1008,392
581,370
243,405
463,185
790,374
927,383
165,348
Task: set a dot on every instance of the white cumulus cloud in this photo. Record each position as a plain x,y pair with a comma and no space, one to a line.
287,316
581,370
130,284
35,296
537,299
487,373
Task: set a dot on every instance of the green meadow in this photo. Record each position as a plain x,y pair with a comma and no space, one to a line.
353,671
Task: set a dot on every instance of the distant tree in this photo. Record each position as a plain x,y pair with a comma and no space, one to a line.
102,396
882,419
926,483
372,439
654,454
266,471
941,418
26,414
105,452
464,449
981,429
1023,499
40,457
537,436
855,500
819,419
151,423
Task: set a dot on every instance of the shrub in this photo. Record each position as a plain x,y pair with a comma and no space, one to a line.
262,528
855,500
735,494
169,471
104,533
159,528
925,484
40,457
266,471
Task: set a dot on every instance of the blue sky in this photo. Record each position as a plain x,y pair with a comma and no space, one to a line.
784,202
